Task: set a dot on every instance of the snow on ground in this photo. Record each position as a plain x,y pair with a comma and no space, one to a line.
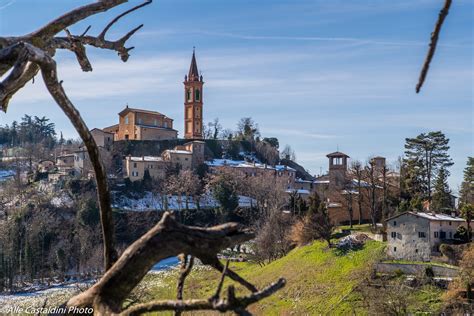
59,293
62,200
157,202
6,174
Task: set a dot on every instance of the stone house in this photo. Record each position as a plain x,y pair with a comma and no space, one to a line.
252,169
187,156
339,188
134,167
417,235
65,162
102,138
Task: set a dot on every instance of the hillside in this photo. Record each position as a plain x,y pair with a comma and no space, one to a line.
318,279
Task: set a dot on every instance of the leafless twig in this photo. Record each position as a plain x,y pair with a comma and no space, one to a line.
433,42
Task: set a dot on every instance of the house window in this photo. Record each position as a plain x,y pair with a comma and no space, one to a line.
165,124
416,250
134,165
126,119
188,95
140,121
394,234
198,95
155,122
399,236
450,223
394,223
450,235
421,235
134,173
337,161
186,159
394,249
436,234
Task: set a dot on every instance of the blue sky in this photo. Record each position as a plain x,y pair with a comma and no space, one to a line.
319,75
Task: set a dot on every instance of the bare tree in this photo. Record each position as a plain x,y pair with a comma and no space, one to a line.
372,186
358,172
21,58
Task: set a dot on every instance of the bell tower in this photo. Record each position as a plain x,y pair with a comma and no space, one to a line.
193,102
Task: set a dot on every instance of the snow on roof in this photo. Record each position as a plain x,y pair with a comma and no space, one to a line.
245,164
432,216
321,181
176,151
283,167
299,191
334,204
145,158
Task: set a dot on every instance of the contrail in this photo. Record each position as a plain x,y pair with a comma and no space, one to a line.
6,4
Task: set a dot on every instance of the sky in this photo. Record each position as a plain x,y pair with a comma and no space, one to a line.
319,75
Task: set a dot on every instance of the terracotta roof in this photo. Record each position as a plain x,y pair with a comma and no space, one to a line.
110,128
337,154
103,131
127,109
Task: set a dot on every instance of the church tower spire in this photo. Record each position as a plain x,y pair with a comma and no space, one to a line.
193,83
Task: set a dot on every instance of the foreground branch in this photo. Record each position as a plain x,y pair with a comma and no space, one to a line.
232,303
433,42
166,239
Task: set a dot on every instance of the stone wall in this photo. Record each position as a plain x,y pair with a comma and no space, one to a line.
416,269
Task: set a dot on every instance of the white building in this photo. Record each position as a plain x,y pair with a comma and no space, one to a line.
417,236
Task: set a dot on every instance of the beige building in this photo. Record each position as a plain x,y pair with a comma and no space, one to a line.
102,138
134,167
418,235
187,156
137,124
65,162
252,169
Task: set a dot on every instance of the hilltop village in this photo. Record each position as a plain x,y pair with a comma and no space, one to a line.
207,175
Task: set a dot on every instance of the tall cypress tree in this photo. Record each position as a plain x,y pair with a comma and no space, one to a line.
431,149
441,202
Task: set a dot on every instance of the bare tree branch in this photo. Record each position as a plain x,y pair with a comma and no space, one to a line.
216,264
186,266
433,42
102,34
221,283
72,17
27,55
166,239
232,303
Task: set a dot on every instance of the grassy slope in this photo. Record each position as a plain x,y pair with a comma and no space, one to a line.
317,280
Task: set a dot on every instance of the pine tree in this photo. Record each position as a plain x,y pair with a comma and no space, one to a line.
467,186
431,150
441,202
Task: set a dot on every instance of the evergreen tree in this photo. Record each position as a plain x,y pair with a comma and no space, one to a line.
224,191
467,186
322,224
467,212
431,151
441,202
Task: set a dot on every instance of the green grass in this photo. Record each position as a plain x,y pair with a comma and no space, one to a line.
364,228
318,280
